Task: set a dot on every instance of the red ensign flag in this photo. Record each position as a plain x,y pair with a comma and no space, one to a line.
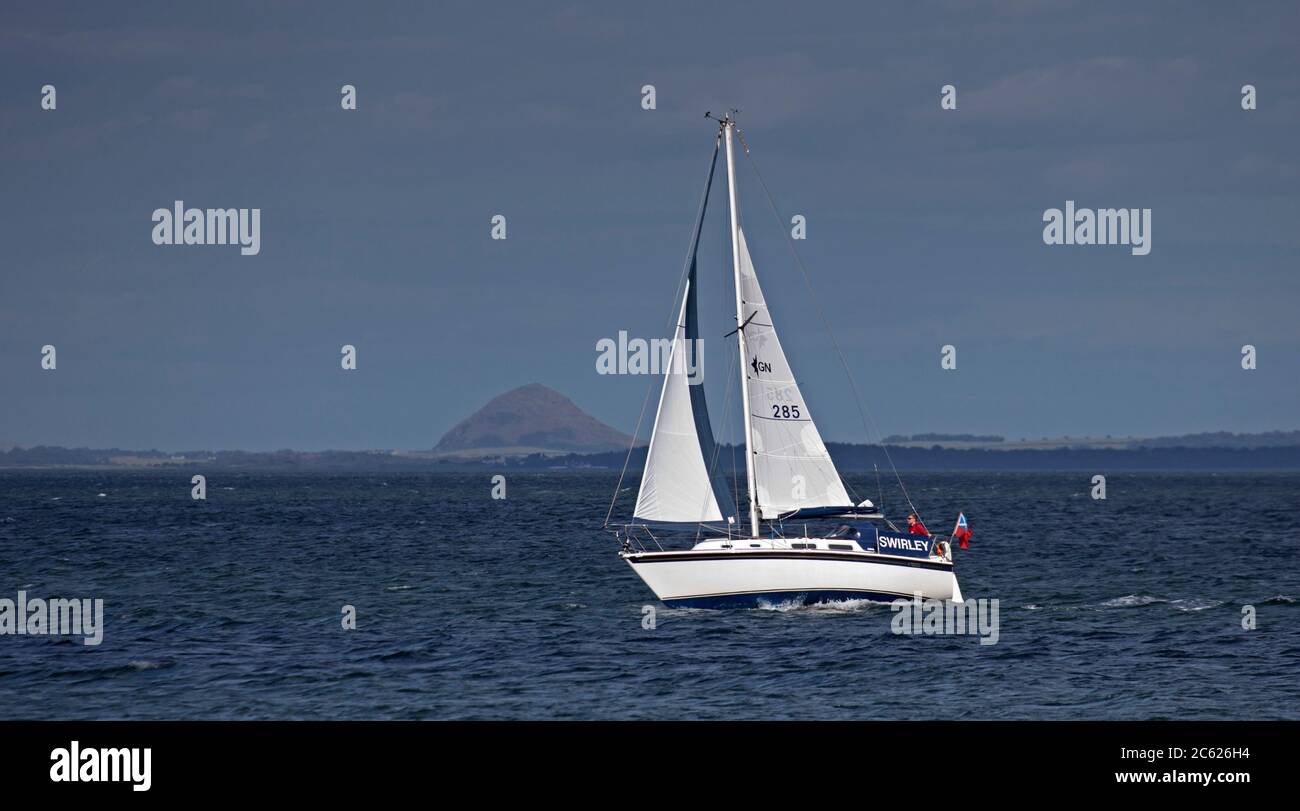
962,532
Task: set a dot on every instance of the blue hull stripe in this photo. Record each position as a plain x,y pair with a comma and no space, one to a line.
859,557
807,597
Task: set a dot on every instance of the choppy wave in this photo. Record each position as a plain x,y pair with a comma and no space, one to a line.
1131,601
829,606
1143,600
522,609
1196,604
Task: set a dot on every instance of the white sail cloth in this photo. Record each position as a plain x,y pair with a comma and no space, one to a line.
676,485
792,468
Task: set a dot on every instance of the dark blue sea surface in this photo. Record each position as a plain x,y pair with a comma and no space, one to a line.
469,607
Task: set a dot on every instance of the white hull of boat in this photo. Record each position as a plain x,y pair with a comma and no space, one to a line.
738,578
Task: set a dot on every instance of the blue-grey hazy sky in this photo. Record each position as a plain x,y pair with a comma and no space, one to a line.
924,226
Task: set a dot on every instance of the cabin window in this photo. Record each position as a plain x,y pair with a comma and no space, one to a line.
756,546
840,546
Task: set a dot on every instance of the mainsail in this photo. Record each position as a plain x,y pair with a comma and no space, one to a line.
681,481
792,469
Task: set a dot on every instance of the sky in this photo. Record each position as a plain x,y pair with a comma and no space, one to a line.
924,225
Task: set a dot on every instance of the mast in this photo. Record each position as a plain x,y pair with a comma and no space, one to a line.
728,124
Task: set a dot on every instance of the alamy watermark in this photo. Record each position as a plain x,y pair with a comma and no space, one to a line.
73,764
53,617
213,226
945,617
639,356
1105,226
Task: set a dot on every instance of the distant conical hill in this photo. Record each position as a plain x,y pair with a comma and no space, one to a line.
532,417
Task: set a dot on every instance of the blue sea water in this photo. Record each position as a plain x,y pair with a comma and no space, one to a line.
469,607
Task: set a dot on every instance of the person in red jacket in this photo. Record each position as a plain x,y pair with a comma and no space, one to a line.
915,527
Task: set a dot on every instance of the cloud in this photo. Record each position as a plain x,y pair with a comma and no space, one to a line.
582,23
1113,89
153,44
769,88
196,119
416,111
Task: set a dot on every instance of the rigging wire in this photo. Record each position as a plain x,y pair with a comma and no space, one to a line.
717,448
672,319
711,465
863,414
733,359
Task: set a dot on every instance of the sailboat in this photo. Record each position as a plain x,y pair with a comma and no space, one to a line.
791,481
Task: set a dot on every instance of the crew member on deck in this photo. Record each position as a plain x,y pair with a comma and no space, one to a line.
915,527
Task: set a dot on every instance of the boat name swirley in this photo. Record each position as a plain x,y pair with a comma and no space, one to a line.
54,617
904,545
213,226
1105,226
77,765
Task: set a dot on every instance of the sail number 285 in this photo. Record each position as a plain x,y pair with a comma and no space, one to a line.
785,412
